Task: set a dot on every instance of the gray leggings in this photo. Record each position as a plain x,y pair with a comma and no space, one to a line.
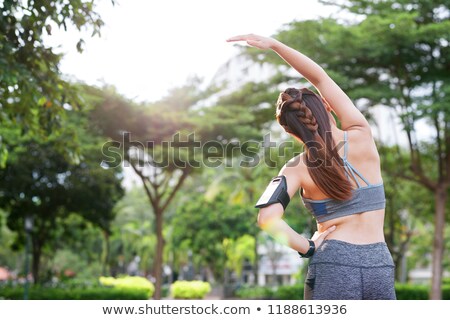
341,270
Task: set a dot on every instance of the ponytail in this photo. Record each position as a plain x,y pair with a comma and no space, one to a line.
302,113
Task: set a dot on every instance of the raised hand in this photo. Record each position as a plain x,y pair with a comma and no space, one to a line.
254,40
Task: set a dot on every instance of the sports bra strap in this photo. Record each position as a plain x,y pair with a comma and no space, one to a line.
349,167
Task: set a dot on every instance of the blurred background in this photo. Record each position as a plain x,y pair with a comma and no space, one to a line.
134,142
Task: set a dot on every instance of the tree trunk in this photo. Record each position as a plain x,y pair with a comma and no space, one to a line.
159,255
438,245
400,258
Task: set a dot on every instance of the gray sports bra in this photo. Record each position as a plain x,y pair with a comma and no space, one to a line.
365,198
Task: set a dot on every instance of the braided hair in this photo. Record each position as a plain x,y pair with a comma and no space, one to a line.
302,114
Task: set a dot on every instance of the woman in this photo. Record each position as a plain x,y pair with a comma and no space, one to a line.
339,179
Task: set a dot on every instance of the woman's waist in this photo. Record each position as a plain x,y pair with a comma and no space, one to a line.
340,252
357,238
363,228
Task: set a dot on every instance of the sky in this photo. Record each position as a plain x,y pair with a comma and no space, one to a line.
147,47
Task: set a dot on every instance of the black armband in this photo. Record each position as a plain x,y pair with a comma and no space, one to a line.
275,192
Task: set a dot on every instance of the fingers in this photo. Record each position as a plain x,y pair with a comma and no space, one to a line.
237,38
324,233
252,43
328,231
243,37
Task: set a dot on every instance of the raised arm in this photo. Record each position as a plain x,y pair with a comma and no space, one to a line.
351,118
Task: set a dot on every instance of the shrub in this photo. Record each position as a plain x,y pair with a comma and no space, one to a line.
254,292
128,282
95,293
190,289
446,292
294,292
406,291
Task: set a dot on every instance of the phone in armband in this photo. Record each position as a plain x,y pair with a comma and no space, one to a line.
275,192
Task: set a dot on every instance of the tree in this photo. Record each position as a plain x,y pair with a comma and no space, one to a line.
208,226
40,182
132,232
33,95
238,251
163,142
403,212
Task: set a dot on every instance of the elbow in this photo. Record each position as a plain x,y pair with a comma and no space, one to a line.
366,129
363,127
262,218
261,221
265,218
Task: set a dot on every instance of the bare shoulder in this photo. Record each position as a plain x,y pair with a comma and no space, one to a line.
294,171
362,143
296,165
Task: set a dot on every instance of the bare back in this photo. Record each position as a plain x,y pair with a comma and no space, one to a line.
366,227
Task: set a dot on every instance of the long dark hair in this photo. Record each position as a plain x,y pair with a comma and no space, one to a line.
302,114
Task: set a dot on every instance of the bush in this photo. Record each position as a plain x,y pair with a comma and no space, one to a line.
411,291
165,290
418,292
446,292
254,292
128,282
189,289
94,293
294,292
105,288
289,292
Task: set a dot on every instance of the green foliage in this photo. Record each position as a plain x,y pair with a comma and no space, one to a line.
411,292
165,137
67,263
239,250
203,225
255,292
190,289
135,283
40,181
33,95
289,292
132,231
92,293
8,257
